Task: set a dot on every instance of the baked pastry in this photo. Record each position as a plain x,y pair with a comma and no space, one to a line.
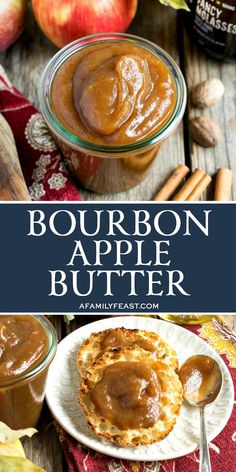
101,342
130,398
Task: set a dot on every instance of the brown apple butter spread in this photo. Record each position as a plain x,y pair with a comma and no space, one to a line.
24,346
23,343
199,376
117,339
113,94
128,395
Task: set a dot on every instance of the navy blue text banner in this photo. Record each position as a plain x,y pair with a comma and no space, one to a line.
117,257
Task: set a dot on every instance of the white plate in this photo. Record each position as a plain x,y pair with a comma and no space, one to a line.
63,386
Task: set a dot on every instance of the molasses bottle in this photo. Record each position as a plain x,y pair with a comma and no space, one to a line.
211,24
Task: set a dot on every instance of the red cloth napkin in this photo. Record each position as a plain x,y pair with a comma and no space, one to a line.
223,450
41,161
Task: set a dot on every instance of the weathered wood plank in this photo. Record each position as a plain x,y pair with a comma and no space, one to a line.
44,448
25,61
200,67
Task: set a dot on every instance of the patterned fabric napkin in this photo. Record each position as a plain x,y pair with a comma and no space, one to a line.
223,448
42,165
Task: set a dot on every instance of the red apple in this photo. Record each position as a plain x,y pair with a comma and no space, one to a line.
63,21
12,21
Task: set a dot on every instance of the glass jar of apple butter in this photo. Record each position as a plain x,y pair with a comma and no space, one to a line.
27,347
110,100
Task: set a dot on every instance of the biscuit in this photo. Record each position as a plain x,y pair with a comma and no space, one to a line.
91,348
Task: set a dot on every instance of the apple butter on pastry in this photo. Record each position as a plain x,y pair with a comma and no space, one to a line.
129,397
98,343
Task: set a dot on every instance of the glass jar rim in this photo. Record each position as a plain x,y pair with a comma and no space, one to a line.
87,146
44,362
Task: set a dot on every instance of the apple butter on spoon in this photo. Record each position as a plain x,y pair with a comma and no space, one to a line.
201,378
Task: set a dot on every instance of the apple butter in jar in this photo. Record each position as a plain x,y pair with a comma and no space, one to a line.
109,101
27,347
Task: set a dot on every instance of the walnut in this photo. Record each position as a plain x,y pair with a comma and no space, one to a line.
205,131
207,93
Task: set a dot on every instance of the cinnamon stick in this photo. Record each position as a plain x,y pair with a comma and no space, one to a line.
223,184
200,188
189,186
172,183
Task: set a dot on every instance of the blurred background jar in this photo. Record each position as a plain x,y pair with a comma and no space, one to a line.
192,319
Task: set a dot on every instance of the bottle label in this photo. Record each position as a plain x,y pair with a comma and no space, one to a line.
217,14
214,21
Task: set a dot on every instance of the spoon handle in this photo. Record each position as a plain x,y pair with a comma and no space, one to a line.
205,462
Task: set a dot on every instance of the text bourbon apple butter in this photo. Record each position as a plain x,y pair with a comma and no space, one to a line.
113,94
128,395
24,346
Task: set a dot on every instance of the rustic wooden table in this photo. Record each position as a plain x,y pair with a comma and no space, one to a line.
25,61
44,448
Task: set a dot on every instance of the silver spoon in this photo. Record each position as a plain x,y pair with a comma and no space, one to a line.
201,378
